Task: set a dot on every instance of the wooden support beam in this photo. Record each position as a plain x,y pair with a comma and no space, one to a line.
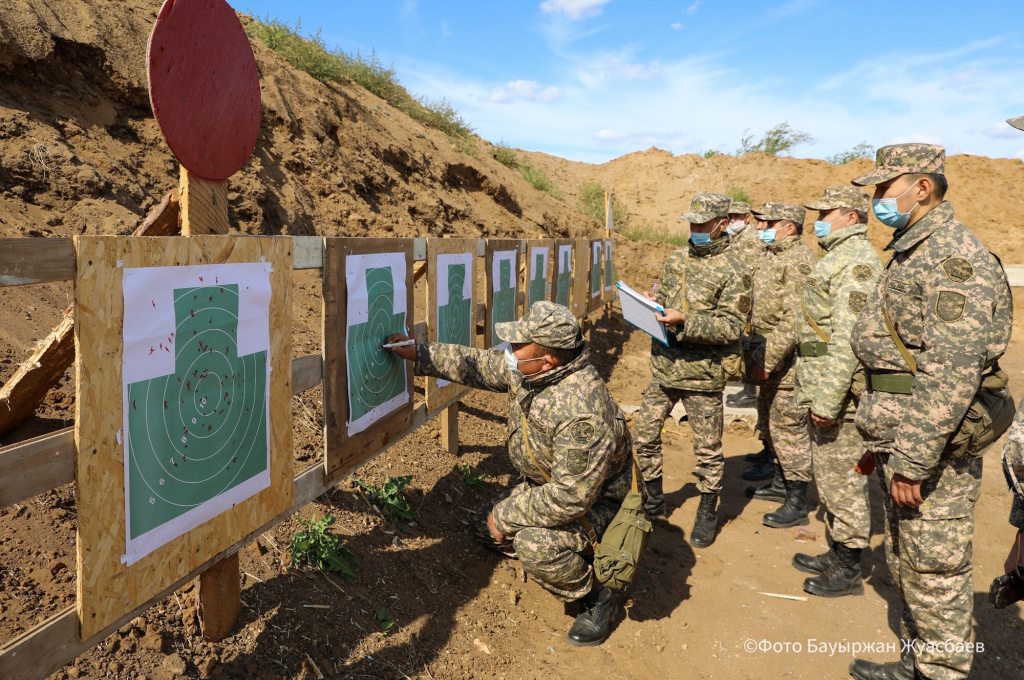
35,260
450,429
418,270
25,391
162,220
204,205
220,598
35,466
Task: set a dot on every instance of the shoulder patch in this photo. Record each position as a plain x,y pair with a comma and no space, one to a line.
577,461
957,269
858,299
581,433
804,268
746,282
744,304
949,306
862,273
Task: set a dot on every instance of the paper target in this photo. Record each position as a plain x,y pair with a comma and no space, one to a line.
563,283
503,295
455,298
538,275
595,270
608,266
376,309
196,404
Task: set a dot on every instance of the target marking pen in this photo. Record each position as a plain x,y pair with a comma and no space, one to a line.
403,343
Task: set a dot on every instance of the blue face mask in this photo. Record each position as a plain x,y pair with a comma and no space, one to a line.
512,362
823,229
699,239
889,214
767,235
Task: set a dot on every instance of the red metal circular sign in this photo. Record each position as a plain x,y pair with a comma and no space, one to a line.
204,86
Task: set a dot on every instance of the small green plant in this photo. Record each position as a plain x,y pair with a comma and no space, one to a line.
321,549
466,145
384,620
591,204
472,479
390,499
862,150
504,154
648,232
538,179
711,153
777,140
740,195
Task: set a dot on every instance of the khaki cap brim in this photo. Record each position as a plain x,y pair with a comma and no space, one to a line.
698,217
877,176
1017,122
512,331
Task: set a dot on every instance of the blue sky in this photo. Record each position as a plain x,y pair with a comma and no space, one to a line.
590,80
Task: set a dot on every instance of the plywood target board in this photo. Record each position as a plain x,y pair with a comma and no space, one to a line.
581,277
563,270
368,295
538,271
596,278
451,307
184,408
502,261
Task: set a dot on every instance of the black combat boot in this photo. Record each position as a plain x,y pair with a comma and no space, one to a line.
754,457
655,505
745,398
841,578
763,468
776,491
704,526
815,564
894,670
595,618
794,509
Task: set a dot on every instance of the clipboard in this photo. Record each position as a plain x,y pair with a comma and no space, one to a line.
640,312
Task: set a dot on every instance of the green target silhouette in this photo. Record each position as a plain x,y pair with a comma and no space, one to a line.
375,375
453,318
564,279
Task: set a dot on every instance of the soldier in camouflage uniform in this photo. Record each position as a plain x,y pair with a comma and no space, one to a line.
826,368
748,248
778,287
945,298
573,453
706,293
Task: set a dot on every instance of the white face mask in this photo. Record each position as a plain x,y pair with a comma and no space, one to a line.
735,227
512,362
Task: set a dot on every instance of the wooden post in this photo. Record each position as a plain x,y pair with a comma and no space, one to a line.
450,429
204,205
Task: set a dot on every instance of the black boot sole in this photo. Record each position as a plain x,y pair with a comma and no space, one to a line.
814,590
803,521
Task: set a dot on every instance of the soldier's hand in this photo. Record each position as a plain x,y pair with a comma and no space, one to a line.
1015,560
759,373
407,352
906,491
495,534
671,317
823,423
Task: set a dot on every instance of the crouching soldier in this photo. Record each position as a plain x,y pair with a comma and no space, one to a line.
568,438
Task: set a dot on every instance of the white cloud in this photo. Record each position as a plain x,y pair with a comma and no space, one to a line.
692,9
523,89
676,26
574,9
607,135
1002,130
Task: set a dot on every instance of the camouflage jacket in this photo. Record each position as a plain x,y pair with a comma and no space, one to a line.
949,301
778,287
836,293
577,434
712,287
1013,466
748,247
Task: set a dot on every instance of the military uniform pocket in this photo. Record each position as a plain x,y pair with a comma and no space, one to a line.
937,546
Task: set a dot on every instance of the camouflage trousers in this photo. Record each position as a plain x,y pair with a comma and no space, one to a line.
835,451
558,558
929,558
706,418
785,426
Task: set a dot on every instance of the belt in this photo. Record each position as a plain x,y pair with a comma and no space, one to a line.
812,349
893,383
763,331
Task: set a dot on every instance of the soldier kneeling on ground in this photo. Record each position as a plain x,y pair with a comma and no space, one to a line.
567,437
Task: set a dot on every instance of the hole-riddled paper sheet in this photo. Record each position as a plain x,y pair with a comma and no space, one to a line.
454,301
376,308
595,277
563,281
538,281
608,266
503,296
196,405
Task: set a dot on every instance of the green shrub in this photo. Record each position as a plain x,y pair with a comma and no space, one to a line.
390,499
474,480
311,54
504,154
711,153
740,194
538,178
591,204
648,232
320,549
862,150
777,140
466,145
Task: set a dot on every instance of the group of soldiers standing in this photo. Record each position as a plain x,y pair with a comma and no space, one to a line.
855,367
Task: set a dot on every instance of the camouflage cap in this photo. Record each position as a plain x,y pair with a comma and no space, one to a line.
841,197
903,159
766,209
739,208
783,211
1017,122
546,324
706,207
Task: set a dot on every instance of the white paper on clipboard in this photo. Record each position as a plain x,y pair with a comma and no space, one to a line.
640,312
